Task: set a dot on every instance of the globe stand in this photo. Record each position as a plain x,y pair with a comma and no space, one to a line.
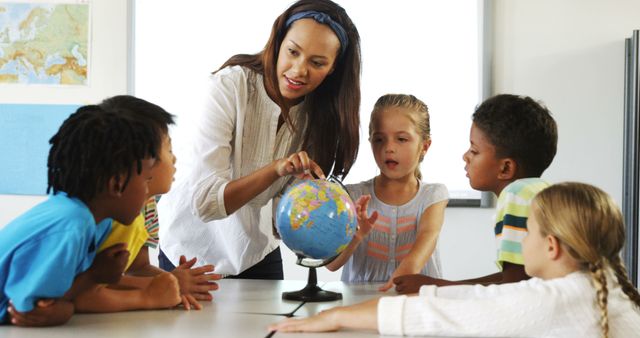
312,292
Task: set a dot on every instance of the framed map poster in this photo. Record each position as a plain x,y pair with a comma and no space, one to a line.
55,55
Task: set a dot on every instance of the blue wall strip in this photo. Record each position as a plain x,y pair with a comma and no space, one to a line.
25,130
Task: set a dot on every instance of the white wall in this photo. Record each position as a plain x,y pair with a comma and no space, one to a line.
569,54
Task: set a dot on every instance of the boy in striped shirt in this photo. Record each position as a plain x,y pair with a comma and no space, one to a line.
513,140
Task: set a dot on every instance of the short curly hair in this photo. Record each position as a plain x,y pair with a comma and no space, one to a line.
95,143
519,128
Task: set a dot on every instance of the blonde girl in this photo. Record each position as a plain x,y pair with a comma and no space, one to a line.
401,234
580,286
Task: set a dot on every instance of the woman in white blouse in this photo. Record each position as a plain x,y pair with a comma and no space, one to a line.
291,110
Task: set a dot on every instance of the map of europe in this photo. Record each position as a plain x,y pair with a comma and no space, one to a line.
44,43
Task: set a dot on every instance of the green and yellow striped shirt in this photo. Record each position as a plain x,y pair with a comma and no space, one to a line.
511,218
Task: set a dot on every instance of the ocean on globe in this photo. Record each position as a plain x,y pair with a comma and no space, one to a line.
316,219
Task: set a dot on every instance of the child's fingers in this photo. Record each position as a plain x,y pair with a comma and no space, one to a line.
194,303
287,325
388,285
187,264
362,200
203,296
201,270
185,302
45,302
373,218
362,204
21,319
207,278
204,287
400,283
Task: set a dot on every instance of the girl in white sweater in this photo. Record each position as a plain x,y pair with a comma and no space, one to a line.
580,286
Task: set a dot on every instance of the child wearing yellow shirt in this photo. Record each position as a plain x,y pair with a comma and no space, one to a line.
145,286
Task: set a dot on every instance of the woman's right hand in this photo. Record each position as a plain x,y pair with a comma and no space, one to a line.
300,166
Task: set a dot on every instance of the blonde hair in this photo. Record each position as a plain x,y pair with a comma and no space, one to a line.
589,224
418,113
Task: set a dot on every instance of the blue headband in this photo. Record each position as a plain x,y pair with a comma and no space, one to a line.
324,19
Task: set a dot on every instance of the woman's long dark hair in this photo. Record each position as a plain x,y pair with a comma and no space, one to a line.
332,136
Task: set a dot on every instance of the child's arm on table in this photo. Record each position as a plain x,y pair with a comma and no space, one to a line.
358,316
161,291
426,240
510,273
106,267
365,224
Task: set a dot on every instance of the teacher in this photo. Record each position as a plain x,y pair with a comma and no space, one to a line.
291,110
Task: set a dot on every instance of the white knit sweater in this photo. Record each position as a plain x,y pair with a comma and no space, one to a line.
562,307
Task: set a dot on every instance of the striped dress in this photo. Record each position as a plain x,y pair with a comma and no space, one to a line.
512,211
392,236
151,222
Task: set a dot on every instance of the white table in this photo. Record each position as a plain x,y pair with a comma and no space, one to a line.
240,308
255,296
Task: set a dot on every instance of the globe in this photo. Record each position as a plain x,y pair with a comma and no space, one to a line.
316,219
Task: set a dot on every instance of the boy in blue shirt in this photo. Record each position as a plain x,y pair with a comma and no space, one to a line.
513,140
99,166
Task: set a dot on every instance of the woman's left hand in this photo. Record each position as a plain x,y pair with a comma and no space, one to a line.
300,166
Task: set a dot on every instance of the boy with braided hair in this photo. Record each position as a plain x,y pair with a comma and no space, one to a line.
99,166
144,286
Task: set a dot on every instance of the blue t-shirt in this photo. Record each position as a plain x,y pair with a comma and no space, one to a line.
43,250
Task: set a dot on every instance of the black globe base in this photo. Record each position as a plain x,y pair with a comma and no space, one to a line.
312,292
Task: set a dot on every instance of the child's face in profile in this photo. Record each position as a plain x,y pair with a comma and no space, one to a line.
533,246
396,144
163,170
481,163
129,202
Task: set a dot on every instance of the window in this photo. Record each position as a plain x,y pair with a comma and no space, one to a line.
431,49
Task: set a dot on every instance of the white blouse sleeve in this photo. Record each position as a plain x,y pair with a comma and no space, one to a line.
213,144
